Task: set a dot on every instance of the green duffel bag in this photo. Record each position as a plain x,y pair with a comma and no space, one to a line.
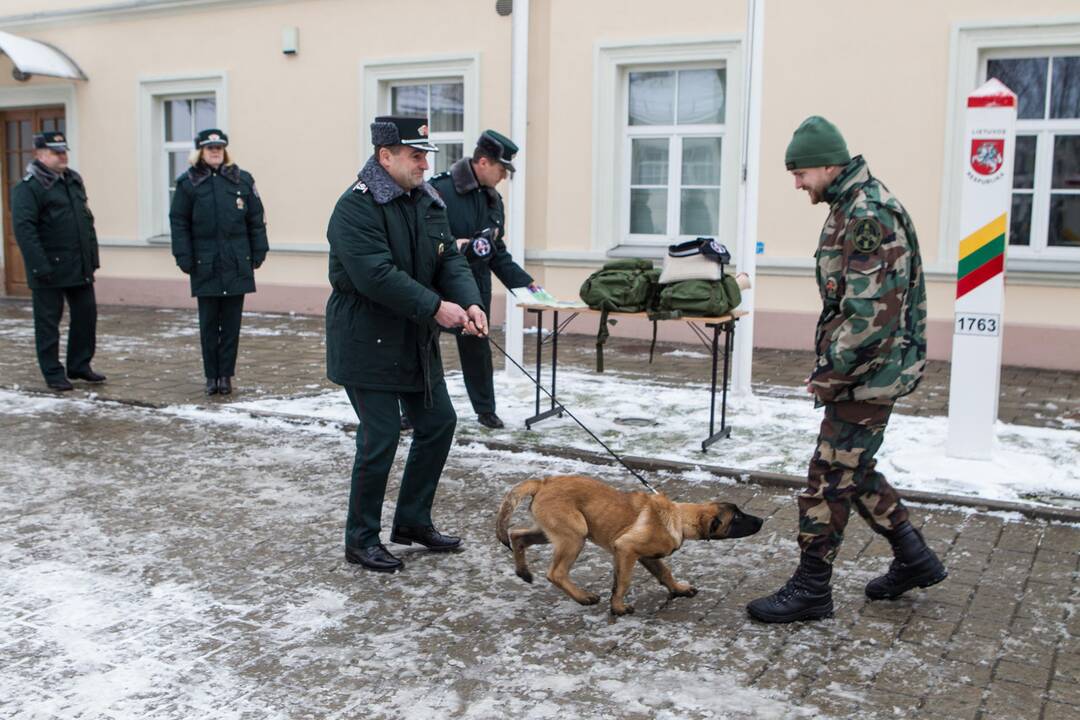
628,285
700,298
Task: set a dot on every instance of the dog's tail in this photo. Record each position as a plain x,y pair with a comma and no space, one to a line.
513,498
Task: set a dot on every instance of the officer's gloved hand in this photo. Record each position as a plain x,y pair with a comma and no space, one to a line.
184,264
257,262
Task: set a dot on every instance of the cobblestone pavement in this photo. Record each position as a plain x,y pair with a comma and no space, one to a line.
152,355
175,563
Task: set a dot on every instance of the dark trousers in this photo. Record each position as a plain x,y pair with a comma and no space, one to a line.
843,472
376,444
219,331
475,353
48,304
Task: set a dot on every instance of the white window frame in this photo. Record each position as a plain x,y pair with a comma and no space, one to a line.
613,64
973,44
436,138
153,213
676,134
167,147
379,76
1044,131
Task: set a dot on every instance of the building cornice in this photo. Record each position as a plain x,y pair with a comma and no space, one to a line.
123,8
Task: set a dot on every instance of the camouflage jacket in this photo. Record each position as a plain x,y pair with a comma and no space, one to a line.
871,336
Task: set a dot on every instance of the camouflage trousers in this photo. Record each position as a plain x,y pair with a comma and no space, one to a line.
842,473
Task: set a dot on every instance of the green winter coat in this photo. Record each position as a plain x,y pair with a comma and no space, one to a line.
871,336
392,261
218,231
54,228
470,207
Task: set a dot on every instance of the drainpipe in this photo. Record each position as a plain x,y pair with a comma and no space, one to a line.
748,195
519,86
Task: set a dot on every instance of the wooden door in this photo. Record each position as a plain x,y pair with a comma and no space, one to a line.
17,128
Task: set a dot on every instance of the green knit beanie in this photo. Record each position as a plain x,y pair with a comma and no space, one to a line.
816,143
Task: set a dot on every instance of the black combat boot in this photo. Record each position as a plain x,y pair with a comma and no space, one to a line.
914,565
806,596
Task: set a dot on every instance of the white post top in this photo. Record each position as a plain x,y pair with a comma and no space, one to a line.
992,93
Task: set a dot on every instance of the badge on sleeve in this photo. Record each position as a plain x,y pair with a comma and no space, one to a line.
865,235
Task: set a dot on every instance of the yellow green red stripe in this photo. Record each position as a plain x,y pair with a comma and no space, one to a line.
982,256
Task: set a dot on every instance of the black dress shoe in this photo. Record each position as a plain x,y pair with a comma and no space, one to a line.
87,375
211,386
376,558
428,536
490,420
60,384
224,385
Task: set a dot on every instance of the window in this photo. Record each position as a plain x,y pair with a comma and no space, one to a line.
182,118
443,104
674,129
1045,217
666,144
172,110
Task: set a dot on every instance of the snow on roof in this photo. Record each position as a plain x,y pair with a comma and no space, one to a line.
37,58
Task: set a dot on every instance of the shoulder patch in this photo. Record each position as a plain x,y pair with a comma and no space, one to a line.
360,186
865,235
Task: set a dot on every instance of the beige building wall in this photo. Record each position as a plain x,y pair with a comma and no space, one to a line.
294,121
299,125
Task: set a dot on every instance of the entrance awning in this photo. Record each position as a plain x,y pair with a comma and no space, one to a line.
32,57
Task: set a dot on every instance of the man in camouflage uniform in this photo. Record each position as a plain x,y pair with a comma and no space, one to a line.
871,350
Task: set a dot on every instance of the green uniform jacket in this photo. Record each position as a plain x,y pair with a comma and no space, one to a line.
471,208
54,228
392,260
871,336
218,231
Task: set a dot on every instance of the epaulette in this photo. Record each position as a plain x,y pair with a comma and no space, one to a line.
440,176
361,186
28,176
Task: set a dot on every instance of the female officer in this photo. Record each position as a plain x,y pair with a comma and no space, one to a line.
218,238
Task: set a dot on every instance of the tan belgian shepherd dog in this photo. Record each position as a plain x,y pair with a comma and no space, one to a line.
632,526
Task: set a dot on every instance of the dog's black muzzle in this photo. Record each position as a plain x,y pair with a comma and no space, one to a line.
743,525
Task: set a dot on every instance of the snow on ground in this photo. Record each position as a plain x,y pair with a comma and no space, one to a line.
643,418
184,563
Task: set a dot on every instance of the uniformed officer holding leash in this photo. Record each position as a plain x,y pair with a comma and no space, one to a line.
397,277
54,229
475,209
871,350
219,239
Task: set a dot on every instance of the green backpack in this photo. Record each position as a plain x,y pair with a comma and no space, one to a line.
621,285
700,298
628,285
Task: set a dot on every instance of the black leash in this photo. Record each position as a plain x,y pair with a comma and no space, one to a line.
572,417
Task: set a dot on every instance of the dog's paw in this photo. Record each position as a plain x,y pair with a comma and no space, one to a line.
525,575
684,591
622,610
590,599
